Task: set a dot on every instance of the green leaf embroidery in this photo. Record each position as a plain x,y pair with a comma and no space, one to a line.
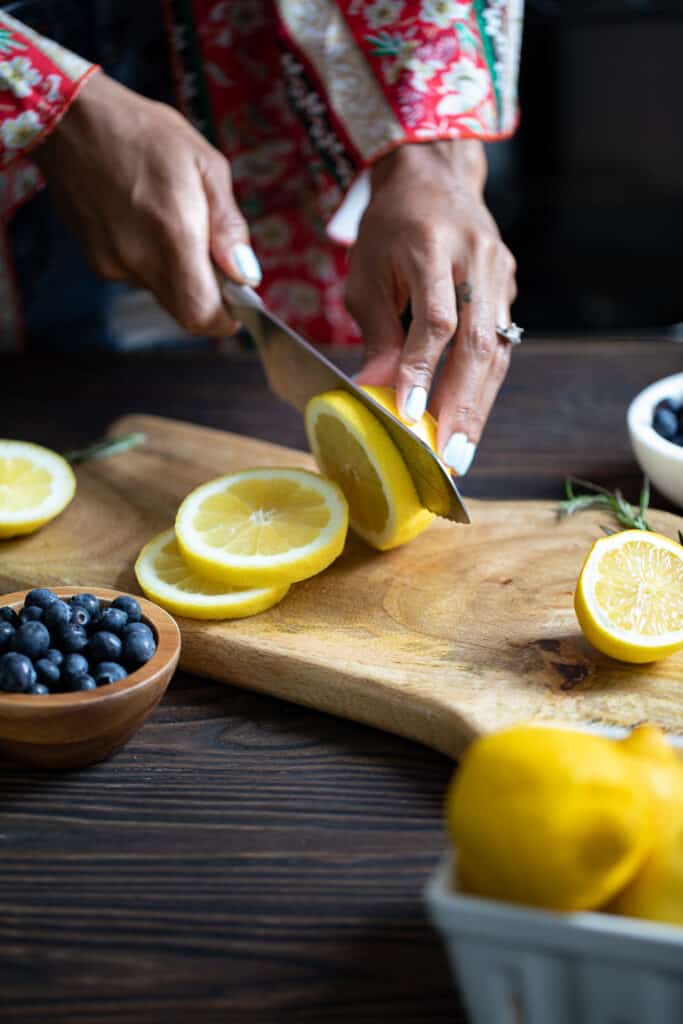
7,43
384,45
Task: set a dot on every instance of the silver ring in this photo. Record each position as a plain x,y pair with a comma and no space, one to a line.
513,333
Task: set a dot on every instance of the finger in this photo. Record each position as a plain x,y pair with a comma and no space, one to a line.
457,403
228,232
432,297
185,283
375,312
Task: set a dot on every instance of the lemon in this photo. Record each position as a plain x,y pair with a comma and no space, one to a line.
629,597
656,890
352,447
36,484
164,577
425,428
548,817
262,527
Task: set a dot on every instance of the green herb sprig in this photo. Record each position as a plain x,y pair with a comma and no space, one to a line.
107,446
630,517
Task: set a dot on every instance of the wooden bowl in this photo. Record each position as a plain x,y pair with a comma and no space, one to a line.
68,730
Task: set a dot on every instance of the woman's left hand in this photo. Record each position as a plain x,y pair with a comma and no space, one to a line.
427,238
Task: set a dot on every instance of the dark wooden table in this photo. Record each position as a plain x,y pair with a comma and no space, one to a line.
244,860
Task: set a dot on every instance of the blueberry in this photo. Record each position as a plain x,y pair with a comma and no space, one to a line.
32,639
75,665
667,403
72,638
137,627
82,683
128,605
665,422
47,672
80,616
678,439
55,656
32,613
138,648
104,646
17,674
40,597
113,620
6,635
57,615
39,688
108,672
87,601
8,614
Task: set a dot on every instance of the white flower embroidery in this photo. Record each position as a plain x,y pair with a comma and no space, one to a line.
293,299
17,132
263,165
422,72
383,12
320,264
467,86
271,232
444,12
19,76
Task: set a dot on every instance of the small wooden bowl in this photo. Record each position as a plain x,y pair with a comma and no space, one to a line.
69,730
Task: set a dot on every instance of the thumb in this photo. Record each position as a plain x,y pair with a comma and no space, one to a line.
228,232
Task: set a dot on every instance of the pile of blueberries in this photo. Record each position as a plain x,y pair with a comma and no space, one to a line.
57,646
668,420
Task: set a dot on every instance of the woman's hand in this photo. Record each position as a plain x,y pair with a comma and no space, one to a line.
427,238
151,200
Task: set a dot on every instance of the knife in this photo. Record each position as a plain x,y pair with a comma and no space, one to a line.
297,371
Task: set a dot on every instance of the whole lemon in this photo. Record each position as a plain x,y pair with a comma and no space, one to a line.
656,890
548,817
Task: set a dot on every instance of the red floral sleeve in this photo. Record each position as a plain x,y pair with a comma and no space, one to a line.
396,71
38,81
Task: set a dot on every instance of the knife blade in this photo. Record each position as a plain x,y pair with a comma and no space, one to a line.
296,371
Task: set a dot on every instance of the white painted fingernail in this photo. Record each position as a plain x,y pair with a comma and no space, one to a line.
415,404
244,258
458,453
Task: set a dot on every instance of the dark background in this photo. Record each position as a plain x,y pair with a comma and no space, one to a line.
589,193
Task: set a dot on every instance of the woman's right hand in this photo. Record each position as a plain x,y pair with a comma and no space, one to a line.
151,201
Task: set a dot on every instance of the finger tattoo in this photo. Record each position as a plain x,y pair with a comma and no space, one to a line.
463,293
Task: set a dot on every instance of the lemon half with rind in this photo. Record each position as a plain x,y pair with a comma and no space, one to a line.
352,447
262,527
36,484
629,597
165,578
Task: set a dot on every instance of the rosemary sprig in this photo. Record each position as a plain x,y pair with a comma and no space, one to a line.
628,516
107,446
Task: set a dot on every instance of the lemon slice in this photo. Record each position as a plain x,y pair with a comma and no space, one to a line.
352,447
262,527
164,577
36,484
629,598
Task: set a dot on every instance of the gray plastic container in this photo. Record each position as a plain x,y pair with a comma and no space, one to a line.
520,965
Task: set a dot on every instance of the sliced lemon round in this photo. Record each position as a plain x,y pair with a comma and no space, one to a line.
262,527
36,484
352,447
165,577
629,597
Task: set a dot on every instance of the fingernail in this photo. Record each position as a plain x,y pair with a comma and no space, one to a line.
458,453
415,404
244,258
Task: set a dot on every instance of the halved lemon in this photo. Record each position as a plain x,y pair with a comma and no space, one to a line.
165,577
262,527
36,484
629,597
425,429
352,447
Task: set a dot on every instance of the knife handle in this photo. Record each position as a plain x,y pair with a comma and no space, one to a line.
237,294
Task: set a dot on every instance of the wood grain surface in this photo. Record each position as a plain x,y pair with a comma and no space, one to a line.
462,631
246,860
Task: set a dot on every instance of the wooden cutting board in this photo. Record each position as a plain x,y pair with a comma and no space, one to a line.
465,630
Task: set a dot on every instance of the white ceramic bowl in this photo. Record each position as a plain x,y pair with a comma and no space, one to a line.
660,460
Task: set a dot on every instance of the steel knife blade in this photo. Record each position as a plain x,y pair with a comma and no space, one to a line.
296,371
